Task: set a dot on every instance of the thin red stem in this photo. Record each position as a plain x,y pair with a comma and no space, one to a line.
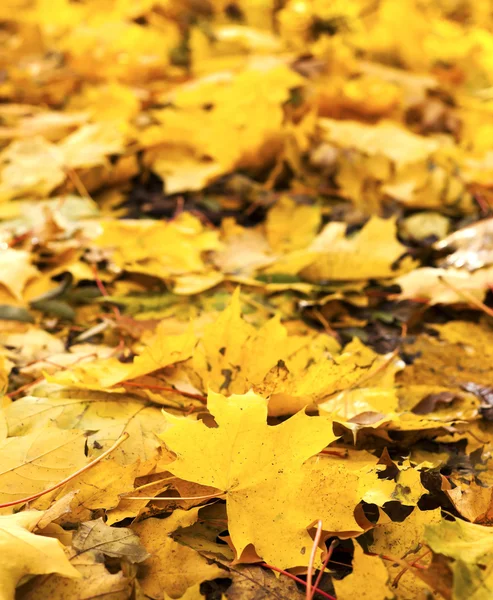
342,454
326,562
395,583
104,292
25,387
298,580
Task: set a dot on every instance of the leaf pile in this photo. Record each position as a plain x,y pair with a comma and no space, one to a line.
246,270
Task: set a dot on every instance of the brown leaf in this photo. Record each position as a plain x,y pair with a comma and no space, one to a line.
117,542
429,403
257,583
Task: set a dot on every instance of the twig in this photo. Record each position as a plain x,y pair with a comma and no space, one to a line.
325,324
298,580
325,563
395,583
309,576
77,182
25,387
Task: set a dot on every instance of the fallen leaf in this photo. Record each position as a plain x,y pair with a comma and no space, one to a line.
171,568
259,460
34,462
16,270
259,584
470,548
365,568
117,542
93,580
162,351
108,416
342,258
25,553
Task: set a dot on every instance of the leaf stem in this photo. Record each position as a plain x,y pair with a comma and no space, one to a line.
395,583
325,563
309,576
298,580
25,387
470,298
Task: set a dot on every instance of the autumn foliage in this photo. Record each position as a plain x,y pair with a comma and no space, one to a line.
246,270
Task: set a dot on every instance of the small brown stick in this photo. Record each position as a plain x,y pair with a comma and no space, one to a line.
395,583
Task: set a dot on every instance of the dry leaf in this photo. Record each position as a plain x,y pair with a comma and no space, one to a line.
117,542
25,553
171,568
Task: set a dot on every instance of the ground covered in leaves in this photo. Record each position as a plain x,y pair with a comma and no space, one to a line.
246,341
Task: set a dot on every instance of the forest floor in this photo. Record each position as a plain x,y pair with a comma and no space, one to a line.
246,274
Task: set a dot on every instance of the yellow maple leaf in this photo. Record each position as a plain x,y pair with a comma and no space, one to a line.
99,487
107,416
110,48
365,568
112,102
366,255
292,371
157,248
232,119
16,270
256,467
30,166
105,373
471,547
291,226
386,139
90,145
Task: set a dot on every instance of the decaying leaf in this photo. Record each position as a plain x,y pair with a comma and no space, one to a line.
469,547
94,580
111,541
